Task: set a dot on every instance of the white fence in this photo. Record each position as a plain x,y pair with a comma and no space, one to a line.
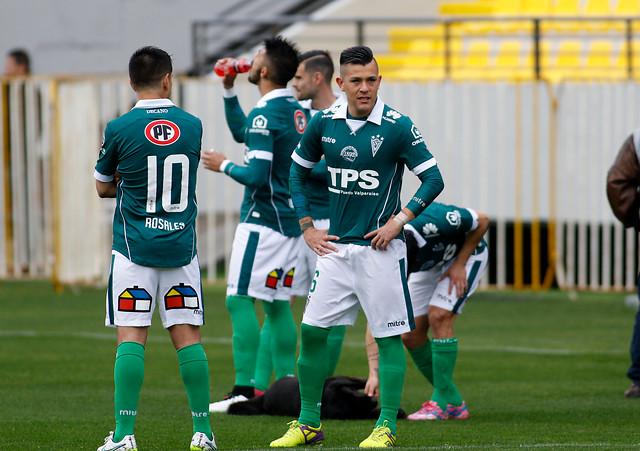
532,156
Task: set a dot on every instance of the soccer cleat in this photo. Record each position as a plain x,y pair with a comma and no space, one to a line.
457,412
430,411
128,443
299,434
381,437
223,406
633,391
200,442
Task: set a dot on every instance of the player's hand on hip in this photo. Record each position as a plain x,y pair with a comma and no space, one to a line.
212,159
380,238
319,241
457,275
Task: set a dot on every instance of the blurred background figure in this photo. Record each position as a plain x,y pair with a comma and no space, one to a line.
17,63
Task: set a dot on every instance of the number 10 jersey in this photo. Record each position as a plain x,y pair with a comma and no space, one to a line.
156,150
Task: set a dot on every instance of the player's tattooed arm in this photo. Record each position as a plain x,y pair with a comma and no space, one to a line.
318,240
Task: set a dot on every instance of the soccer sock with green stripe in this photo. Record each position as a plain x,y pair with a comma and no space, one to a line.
423,360
284,337
128,376
393,366
336,337
264,362
445,353
194,370
312,371
246,337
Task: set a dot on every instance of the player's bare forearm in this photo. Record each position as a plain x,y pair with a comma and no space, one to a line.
380,238
107,189
372,387
318,240
212,160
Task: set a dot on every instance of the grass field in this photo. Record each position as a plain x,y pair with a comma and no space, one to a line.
537,370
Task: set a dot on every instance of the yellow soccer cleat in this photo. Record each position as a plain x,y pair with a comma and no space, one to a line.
299,434
381,437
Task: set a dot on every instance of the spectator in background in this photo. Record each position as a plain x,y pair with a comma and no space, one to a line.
17,63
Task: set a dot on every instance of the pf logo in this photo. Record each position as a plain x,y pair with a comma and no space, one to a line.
162,132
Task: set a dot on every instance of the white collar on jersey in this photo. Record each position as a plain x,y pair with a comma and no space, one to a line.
280,92
375,116
153,103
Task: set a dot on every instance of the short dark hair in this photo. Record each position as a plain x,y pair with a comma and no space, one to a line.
21,57
359,54
148,65
282,59
318,61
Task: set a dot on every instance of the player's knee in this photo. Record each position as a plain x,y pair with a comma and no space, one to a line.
438,317
413,339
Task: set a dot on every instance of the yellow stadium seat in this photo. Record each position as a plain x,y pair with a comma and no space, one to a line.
414,38
597,8
627,8
566,8
567,62
465,9
474,62
536,7
511,63
600,63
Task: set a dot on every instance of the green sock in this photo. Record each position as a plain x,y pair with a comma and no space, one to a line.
445,352
264,362
284,337
246,338
421,356
336,337
128,376
194,370
312,372
393,366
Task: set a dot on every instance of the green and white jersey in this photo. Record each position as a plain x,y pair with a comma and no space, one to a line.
156,149
365,161
273,129
440,231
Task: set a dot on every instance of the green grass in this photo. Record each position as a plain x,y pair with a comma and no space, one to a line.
536,370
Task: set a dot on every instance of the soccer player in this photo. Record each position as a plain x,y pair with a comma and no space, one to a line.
265,246
447,257
366,145
148,162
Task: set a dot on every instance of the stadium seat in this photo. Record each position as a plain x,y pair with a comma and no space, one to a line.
511,64
465,8
474,62
600,63
567,61
627,8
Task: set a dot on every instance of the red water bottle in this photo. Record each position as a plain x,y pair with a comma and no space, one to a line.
234,67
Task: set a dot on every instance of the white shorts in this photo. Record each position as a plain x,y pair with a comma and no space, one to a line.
134,291
358,276
427,289
262,263
306,265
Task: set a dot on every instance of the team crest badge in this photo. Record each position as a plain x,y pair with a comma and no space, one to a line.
181,296
273,277
134,300
376,142
300,120
162,132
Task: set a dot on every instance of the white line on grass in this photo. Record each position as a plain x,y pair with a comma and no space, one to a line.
349,344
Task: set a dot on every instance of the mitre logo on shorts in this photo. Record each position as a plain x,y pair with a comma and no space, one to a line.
300,120
134,300
349,153
181,296
162,132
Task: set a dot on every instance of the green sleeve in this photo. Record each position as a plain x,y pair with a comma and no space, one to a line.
236,119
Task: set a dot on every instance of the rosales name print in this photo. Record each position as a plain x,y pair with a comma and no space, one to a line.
162,224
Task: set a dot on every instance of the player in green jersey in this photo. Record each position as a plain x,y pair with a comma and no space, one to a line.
148,162
447,256
366,145
267,240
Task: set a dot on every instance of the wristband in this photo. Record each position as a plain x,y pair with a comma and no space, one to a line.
224,165
401,218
